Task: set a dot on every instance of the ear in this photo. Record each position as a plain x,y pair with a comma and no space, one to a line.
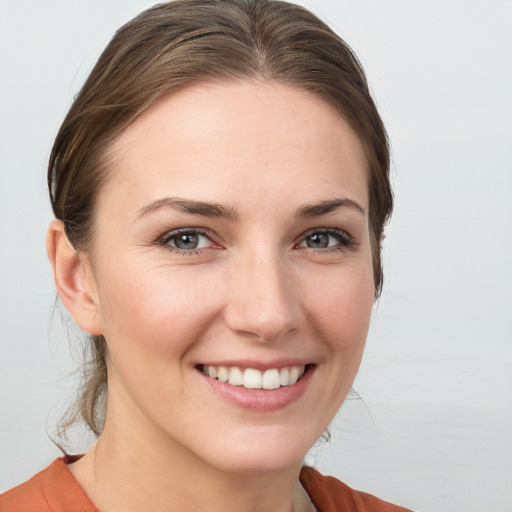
74,279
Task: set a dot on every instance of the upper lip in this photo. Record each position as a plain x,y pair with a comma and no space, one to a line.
258,365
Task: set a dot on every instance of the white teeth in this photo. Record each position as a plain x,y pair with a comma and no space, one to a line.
236,377
222,374
251,378
270,379
294,375
284,377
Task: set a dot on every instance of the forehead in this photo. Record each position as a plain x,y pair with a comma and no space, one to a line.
243,138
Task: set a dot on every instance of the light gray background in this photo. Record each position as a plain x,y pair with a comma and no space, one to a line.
436,431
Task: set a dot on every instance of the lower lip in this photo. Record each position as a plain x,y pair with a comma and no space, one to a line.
260,399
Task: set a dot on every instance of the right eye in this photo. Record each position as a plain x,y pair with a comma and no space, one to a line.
186,240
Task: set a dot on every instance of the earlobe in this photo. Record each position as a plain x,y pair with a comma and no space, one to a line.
74,279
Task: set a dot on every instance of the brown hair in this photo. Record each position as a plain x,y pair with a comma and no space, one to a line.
182,42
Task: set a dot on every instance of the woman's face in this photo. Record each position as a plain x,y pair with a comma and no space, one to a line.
232,243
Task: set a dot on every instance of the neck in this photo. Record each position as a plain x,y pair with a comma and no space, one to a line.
132,469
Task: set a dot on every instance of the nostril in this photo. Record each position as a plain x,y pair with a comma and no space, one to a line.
262,304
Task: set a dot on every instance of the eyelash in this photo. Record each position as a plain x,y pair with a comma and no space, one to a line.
345,241
165,240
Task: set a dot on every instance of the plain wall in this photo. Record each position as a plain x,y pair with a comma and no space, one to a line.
435,431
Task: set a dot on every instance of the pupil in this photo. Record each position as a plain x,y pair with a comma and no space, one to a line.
187,241
318,240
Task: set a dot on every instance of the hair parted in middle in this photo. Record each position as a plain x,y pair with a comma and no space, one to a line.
184,42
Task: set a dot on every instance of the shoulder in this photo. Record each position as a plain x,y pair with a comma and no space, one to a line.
330,495
52,490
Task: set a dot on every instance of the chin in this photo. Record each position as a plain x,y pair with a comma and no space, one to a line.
264,452
260,465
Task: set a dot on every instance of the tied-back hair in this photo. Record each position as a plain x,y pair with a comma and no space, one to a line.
172,46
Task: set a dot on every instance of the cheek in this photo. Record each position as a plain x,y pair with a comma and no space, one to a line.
159,309
340,307
342,304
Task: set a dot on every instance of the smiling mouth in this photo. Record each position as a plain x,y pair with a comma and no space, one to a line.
251,378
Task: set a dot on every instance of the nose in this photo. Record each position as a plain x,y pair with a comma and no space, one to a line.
263,298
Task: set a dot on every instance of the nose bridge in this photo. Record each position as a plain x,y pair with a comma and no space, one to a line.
262,299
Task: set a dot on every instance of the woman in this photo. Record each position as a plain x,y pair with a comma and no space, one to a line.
220,187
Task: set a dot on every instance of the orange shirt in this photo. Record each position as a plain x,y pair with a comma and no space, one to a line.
52,490
330,495
55,490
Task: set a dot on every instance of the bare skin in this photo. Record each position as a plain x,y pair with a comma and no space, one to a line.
271,268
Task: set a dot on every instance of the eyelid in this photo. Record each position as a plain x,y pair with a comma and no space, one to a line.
164,239
346,240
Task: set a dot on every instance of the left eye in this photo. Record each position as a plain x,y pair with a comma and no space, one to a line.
186,240
326,239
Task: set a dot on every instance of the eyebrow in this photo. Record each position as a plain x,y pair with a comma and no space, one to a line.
192,207
228,212
324,207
